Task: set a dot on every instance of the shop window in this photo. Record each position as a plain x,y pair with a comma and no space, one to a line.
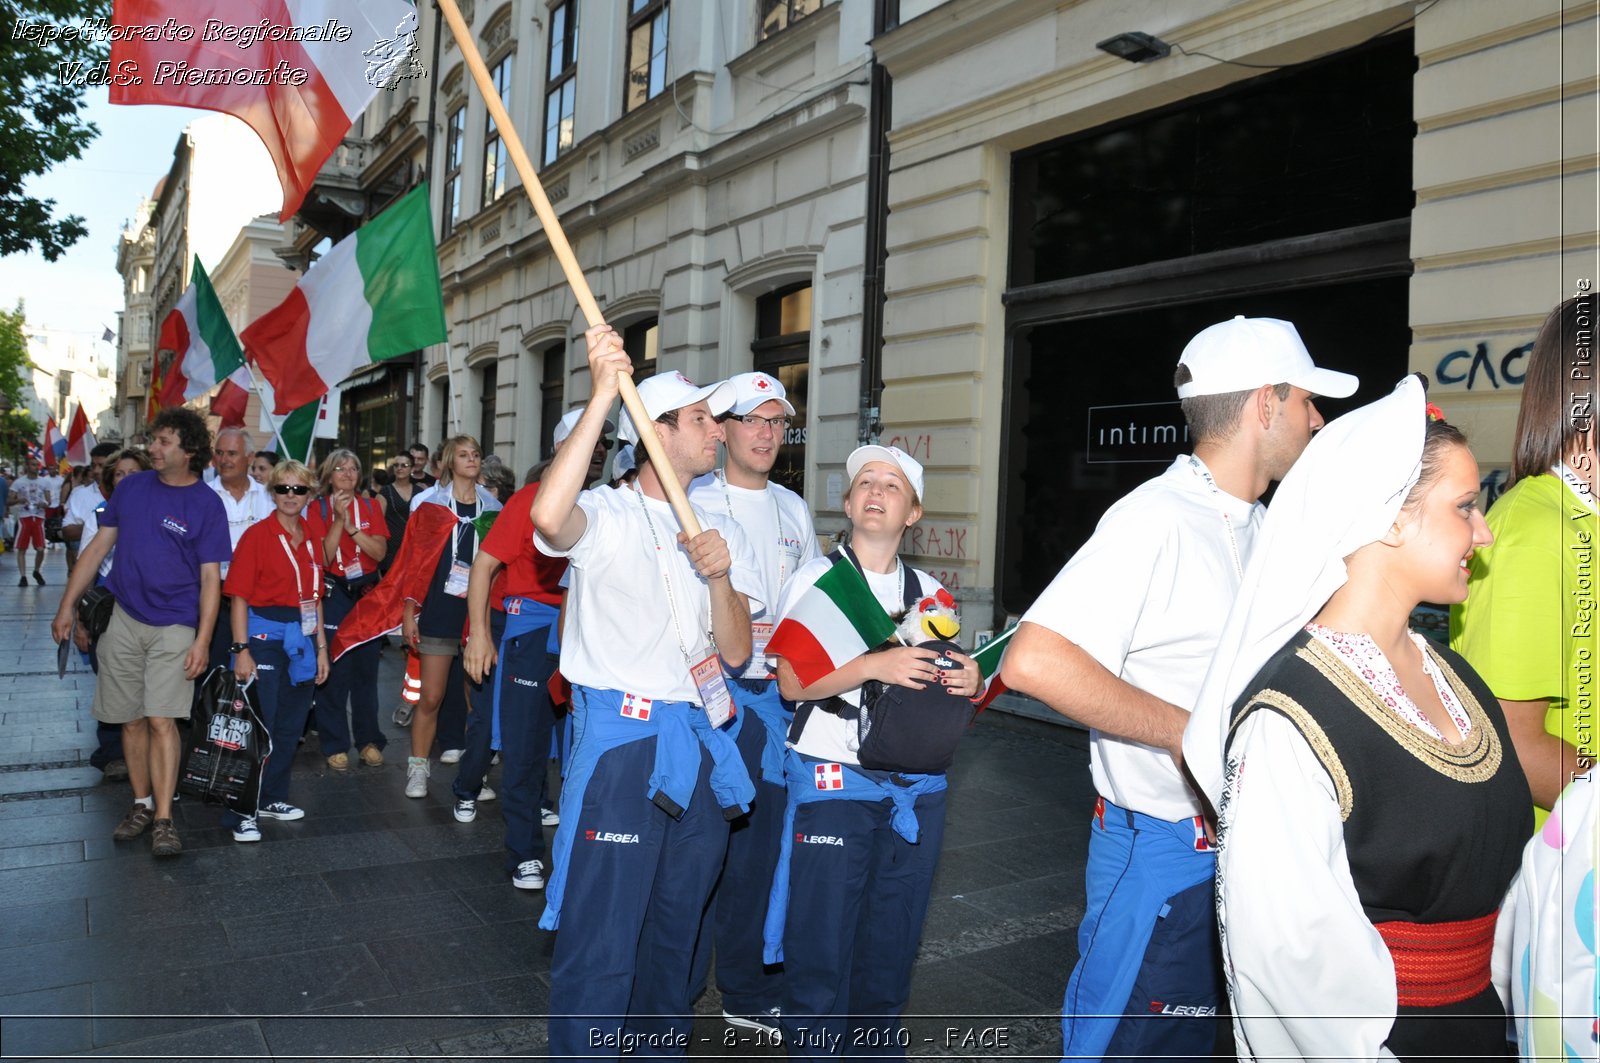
1299,151
552,397
639,340
646,68
782,347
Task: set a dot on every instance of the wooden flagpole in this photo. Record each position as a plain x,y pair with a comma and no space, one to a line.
563,252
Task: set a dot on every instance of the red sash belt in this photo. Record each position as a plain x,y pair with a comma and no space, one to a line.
1440,963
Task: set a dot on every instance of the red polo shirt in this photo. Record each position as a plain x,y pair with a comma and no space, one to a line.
261,573
368,520
528,573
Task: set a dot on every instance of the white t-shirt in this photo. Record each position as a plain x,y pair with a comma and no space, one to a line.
243,512
619,632
83,507
36,494
1147,597
778,526
827,735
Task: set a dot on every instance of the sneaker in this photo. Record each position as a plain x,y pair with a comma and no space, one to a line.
164,840
417,772
371,756
764,1021
339,762
135,823
529,875
466,811
37,578
116,771
486,794
451,756
247,831
549,818
281,810
402,714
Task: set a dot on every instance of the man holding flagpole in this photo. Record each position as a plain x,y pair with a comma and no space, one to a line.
652,778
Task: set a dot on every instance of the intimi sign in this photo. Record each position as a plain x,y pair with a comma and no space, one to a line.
1136,432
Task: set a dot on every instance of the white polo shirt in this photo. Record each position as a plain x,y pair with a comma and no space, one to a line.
256,504
777,523
620,633
1147,597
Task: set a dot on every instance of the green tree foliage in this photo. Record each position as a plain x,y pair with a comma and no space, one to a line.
46,60
17,426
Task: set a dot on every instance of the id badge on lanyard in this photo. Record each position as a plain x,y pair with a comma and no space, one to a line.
308,606
455,584
760,635
714,693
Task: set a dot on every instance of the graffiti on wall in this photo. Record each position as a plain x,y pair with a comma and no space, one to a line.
1481,371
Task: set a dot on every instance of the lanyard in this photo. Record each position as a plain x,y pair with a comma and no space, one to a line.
777,516
663,565
1578,487
338,548
900,578
455,537
1227,522
299,591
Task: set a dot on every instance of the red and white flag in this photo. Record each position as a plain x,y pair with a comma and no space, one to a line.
298,72
80,440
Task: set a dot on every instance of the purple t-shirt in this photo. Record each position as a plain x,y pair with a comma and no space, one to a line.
164,535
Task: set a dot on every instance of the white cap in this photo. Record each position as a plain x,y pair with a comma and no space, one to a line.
623,463
568,422
751,390
1250,352
674,391
894,456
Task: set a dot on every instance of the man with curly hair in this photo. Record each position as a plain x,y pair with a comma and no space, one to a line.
167,583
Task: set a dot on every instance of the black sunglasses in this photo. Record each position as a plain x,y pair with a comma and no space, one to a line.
290,489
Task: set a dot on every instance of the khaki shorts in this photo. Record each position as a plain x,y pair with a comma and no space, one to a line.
141,671
433,646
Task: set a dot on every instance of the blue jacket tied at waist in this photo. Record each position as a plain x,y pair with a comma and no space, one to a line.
302,652
680,730
800,772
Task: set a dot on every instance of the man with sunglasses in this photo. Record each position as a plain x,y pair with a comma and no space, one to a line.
778,524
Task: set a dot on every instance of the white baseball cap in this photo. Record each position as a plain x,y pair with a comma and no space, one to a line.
894,456
674,391
568,422
1250,352
753,389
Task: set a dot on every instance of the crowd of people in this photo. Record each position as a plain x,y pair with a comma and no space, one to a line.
1289,778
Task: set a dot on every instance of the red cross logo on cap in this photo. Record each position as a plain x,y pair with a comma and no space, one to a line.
762,385
685,379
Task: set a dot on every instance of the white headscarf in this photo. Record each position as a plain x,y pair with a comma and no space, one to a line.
1343,493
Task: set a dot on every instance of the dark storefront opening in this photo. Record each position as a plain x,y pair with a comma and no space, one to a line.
1288,196
782,348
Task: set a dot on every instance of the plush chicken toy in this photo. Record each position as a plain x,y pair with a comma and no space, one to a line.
934,619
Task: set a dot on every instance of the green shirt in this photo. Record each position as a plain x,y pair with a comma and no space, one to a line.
1527,625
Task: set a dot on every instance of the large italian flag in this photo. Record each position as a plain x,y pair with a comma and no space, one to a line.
205,350
833,623
374,295
298,72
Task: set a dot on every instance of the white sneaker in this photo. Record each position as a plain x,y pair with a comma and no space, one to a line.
417,772
529,875
549,818
466,811
451,756
247,831
486,794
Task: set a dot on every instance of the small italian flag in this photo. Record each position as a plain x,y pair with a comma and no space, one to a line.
833,623
375,295
205,350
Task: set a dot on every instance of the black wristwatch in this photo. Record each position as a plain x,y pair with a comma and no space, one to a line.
238,647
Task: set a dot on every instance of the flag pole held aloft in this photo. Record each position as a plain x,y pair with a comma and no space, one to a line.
563,252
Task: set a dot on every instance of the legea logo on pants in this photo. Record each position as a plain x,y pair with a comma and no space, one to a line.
819,839
608,836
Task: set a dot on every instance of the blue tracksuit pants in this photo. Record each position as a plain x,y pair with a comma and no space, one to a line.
630,880
1149,978
284,707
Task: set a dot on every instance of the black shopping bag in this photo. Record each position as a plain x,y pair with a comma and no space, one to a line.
228,742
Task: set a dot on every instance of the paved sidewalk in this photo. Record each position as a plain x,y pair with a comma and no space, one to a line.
378,927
